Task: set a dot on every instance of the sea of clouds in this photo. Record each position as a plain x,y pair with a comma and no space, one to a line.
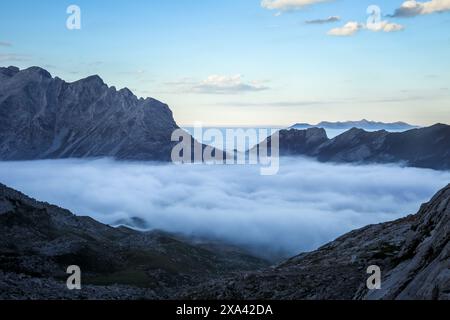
306,205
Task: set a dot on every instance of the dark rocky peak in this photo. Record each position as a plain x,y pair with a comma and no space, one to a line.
126,92
357,133
319,133
439,126
17,77
301,141
310,132
93,80
37,71
9,71
79,119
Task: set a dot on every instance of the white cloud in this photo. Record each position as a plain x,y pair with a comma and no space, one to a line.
220,84
284,5
349,29
385,26
413,8
352,27
306,205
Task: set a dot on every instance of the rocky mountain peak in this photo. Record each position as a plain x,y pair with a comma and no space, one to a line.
48,118
37,71
126,92
93,80
9,71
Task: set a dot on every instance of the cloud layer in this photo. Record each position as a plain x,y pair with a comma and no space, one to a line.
305,206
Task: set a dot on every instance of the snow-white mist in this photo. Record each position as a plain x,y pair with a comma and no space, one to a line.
306,205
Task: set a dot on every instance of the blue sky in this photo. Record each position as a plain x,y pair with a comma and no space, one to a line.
247,62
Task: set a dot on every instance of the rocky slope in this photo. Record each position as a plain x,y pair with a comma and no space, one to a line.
42,117
39,241
413,254
425,147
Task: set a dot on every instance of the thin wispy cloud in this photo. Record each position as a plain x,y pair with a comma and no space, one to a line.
286,5
414,8
219,84
324,21
298,103
5,44
13,57
137,72
406,97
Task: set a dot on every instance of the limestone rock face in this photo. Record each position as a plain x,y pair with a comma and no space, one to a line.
47,118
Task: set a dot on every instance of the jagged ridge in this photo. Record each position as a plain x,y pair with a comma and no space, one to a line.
425,147
47,118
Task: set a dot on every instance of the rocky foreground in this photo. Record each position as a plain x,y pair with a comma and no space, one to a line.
38,241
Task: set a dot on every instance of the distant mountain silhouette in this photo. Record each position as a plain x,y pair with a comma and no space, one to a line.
363,124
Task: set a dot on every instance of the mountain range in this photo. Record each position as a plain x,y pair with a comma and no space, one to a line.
423,147
38,241
362,124
44,117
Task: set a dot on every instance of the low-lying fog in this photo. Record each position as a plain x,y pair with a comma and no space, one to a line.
306,205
